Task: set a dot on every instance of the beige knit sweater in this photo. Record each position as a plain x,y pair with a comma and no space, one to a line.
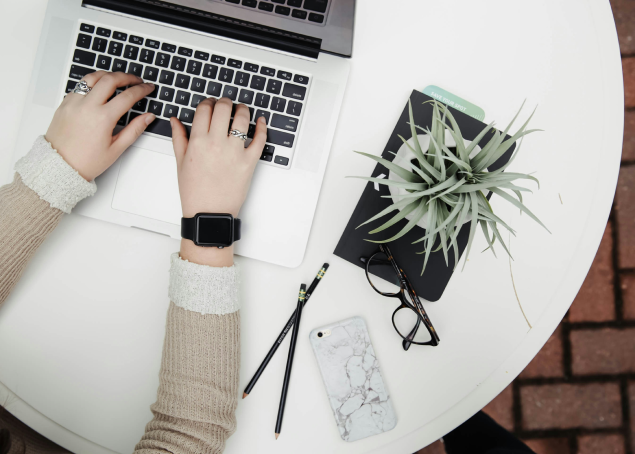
198,386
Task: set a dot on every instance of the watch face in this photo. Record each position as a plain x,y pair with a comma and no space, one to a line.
215,229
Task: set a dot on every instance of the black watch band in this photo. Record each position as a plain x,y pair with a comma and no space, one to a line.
190,226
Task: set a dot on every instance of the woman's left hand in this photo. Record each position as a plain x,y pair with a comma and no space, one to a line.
81,130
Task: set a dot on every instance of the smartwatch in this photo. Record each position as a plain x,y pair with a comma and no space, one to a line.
211,229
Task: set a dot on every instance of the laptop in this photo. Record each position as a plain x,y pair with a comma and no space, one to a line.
288,60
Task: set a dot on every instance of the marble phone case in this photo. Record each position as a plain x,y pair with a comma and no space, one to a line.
354,384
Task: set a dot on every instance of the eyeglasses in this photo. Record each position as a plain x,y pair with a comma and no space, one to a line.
393,283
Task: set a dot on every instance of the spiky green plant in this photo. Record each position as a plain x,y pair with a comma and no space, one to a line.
452,187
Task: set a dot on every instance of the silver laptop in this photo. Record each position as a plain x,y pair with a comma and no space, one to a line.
288,60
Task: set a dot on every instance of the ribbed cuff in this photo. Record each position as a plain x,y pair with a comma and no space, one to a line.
203,289
53,179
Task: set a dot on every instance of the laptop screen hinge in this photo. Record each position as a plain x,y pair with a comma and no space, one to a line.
214,24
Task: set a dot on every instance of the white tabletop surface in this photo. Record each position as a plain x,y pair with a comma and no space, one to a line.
81,335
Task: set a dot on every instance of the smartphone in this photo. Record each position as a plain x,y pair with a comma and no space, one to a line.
354,384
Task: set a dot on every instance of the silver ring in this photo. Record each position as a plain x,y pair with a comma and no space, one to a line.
82,88
238,134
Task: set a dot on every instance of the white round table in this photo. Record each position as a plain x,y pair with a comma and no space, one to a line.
81,335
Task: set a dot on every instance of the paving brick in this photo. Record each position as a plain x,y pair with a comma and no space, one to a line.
548,361
595,301
601,444
549,445
500,409
567,406
628,295
603,351
624,14
628,71
628,146
435,448
625,207
631,405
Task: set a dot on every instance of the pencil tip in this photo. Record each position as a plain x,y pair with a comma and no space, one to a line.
245,395
277,435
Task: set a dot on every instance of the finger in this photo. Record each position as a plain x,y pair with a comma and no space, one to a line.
260,137
130,133
179,139
105,87
241,120
124,101
220,120
203,117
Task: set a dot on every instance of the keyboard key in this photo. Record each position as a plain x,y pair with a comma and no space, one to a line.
278,1
284,75
284,122
183,81
314,17
131,52
281,160
155,107
226,75
210,71
250,3
119,65
266,156
269,149
241,79
136,69
135,40
154,93
294,91
84,57
194,67
198,85
78,72
147,56
122,120
161,127
103,62
234,63
153,43
285,11
251,67
87,28
278,104
267,71
294,108
265,6
233,1
230,92
262,113
251,113
140,105
218,59
304,80
186,115
185,51
178,63
120,36
166,77
246,96
196,100
298,14
162,60
316,5
83,41
166,94
214,88
201,55
151,74
103,32
251,131
262,100
168,47
274,86
115,48
258,83
99,44
70,85
294,3
183,98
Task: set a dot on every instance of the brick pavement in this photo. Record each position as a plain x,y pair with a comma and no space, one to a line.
578,394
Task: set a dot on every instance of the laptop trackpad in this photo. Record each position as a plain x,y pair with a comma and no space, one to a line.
147,185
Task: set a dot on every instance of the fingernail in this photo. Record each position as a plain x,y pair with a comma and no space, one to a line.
262,119
150,118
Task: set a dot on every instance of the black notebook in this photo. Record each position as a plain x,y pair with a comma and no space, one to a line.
352,246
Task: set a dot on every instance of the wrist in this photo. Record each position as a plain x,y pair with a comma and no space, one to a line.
210,256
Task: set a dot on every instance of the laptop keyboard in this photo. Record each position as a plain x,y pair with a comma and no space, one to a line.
184,76
308,11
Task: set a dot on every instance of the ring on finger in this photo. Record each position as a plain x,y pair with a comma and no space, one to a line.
236,133
82,88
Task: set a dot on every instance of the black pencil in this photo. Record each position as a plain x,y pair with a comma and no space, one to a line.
283,333
287,372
